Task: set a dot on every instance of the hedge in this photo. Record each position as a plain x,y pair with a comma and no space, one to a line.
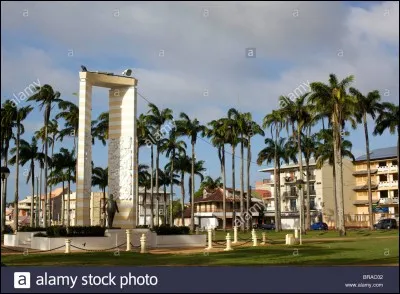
168,230
31,229
76,231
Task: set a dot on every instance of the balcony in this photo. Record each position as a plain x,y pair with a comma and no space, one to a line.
383,169
291,194
310,178
393,168
388,184
389,201
312,192
289,180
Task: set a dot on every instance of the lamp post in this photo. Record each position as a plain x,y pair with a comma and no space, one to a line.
5,172
300,184
37,203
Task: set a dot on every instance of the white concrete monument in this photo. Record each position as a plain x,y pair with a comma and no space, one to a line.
121,146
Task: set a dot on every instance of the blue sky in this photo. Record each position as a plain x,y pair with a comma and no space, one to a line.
204,48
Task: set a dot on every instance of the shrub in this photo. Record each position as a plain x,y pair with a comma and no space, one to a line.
40,234
56,231
77,231
168,230
142,227
31,229
8,230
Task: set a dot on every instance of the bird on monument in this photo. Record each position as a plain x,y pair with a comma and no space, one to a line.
83,68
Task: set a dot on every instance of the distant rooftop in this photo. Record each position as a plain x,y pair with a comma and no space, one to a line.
381,153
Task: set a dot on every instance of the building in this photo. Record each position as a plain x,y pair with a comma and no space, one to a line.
384,185
208,209
321,193
145,206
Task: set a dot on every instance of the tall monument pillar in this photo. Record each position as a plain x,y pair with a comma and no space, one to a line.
121,146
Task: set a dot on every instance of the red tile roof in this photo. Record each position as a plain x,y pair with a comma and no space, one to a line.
56,193
217,196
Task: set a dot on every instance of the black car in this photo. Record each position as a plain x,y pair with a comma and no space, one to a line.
386,223
268,226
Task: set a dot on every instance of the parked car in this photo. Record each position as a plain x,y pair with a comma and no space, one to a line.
319,226
386,223
268,226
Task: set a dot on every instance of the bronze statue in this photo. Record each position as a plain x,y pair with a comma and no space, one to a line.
112,207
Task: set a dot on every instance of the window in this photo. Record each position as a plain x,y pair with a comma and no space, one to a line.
293,205
384,194
382,163
293,191
312,203
383,178
396,193
394,162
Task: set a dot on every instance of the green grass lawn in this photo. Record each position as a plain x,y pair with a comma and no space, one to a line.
367,250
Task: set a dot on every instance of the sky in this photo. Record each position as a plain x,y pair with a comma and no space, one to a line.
199,58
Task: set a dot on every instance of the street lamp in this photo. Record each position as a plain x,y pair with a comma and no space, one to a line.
300,184
5,172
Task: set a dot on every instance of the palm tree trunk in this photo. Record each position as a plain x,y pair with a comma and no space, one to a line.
398,158
249,221
104,207
242,185
308,212
137,182
4,189
37,208
46,151
69,203
63,205
223,189
335,196
276,163
165,204
157,185
183,196
40,195
33,192
192,191
152,189
278,197
301,187
339,175
144,206
51,187
16,196
171,178
371,218
233,186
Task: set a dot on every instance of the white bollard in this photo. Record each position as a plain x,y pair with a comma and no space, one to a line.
296,233
143,243
209,231
128,240
254,240
289,239
235,236
67,246
263,238
228,243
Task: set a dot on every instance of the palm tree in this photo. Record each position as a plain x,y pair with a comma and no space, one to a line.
172,146
275,121
45,96
199,169
298,112
332,98
7,125
100,128
388,119
210,184
239,118
190,128
281,151
310,145
65,160
18,115
70,113
144,181
219,137
54,135
182,163
367,105
28,152
100,179
251,129
165,180
157,118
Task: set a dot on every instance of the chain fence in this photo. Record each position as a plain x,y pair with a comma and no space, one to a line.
29,250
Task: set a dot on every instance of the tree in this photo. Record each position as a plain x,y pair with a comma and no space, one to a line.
326,153
388,119
298,112
55,178
172,146
217,133
18,116
367,105
65,161
7,134
332,98
144,181
165,180
310,145
251,129
275,121
28,152
210,184
100,127
157,118
70,113
54,135
190,128
100,179
277,151
198,171
45,96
